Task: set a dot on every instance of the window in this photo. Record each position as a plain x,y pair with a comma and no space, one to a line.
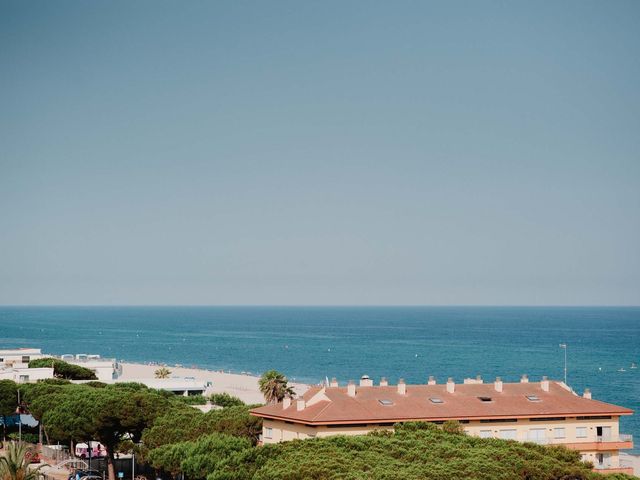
594,417
385,402
537,435
25,359
24,378
436,400
547,419
510,434
485,399
558,432
533,398
581,432
486,434
268,432
499,420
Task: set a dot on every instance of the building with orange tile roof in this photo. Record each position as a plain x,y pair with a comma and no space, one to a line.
546,412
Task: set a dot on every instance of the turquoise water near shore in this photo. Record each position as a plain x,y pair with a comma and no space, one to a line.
311,343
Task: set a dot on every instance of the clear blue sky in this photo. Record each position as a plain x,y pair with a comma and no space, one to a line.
320,152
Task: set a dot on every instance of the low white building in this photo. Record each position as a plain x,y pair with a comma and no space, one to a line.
16,356
106,369
23,374
179,385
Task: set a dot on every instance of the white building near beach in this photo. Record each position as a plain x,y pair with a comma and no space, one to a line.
106,369
17,356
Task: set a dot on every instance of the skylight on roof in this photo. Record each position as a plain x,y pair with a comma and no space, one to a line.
533,398
385,402
485,399
436,400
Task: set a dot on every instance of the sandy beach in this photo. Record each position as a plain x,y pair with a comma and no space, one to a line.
242,386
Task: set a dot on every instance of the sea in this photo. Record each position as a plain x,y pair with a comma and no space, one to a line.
310,344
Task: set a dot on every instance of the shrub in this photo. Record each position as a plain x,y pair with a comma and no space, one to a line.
63,369
225,400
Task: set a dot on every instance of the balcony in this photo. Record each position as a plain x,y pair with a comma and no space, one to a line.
607,469
602,443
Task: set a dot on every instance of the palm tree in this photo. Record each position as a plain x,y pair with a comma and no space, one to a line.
14,465
274,386
162,372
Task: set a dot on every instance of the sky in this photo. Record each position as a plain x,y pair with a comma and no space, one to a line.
320,153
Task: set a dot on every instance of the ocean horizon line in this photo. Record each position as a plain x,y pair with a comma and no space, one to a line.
321,306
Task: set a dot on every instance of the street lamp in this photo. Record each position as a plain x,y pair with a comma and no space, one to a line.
564,346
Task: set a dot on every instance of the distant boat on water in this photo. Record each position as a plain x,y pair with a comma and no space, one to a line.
621,369
633,365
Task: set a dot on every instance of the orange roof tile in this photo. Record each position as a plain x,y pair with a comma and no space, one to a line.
336,407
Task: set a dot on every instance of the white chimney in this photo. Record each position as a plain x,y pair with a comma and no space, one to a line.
300,404
587,394
498,384
432,380
286,403
334,382
451,386
365,381
544,384
524,378
351,389
402,387
384,382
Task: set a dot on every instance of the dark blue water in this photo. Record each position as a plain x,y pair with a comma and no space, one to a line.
309,343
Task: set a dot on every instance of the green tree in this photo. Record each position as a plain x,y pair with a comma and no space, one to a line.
107,414
8,397
15,465
196,459
274,386
181,423
63,369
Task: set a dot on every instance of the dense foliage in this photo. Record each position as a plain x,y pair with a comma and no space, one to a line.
8,397
225,400
192,399
416,451
125,416
63,369
105,413
196,459
179,424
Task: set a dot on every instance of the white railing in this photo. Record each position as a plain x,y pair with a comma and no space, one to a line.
623,437
55,454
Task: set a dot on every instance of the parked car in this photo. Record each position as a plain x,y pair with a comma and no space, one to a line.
85,475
